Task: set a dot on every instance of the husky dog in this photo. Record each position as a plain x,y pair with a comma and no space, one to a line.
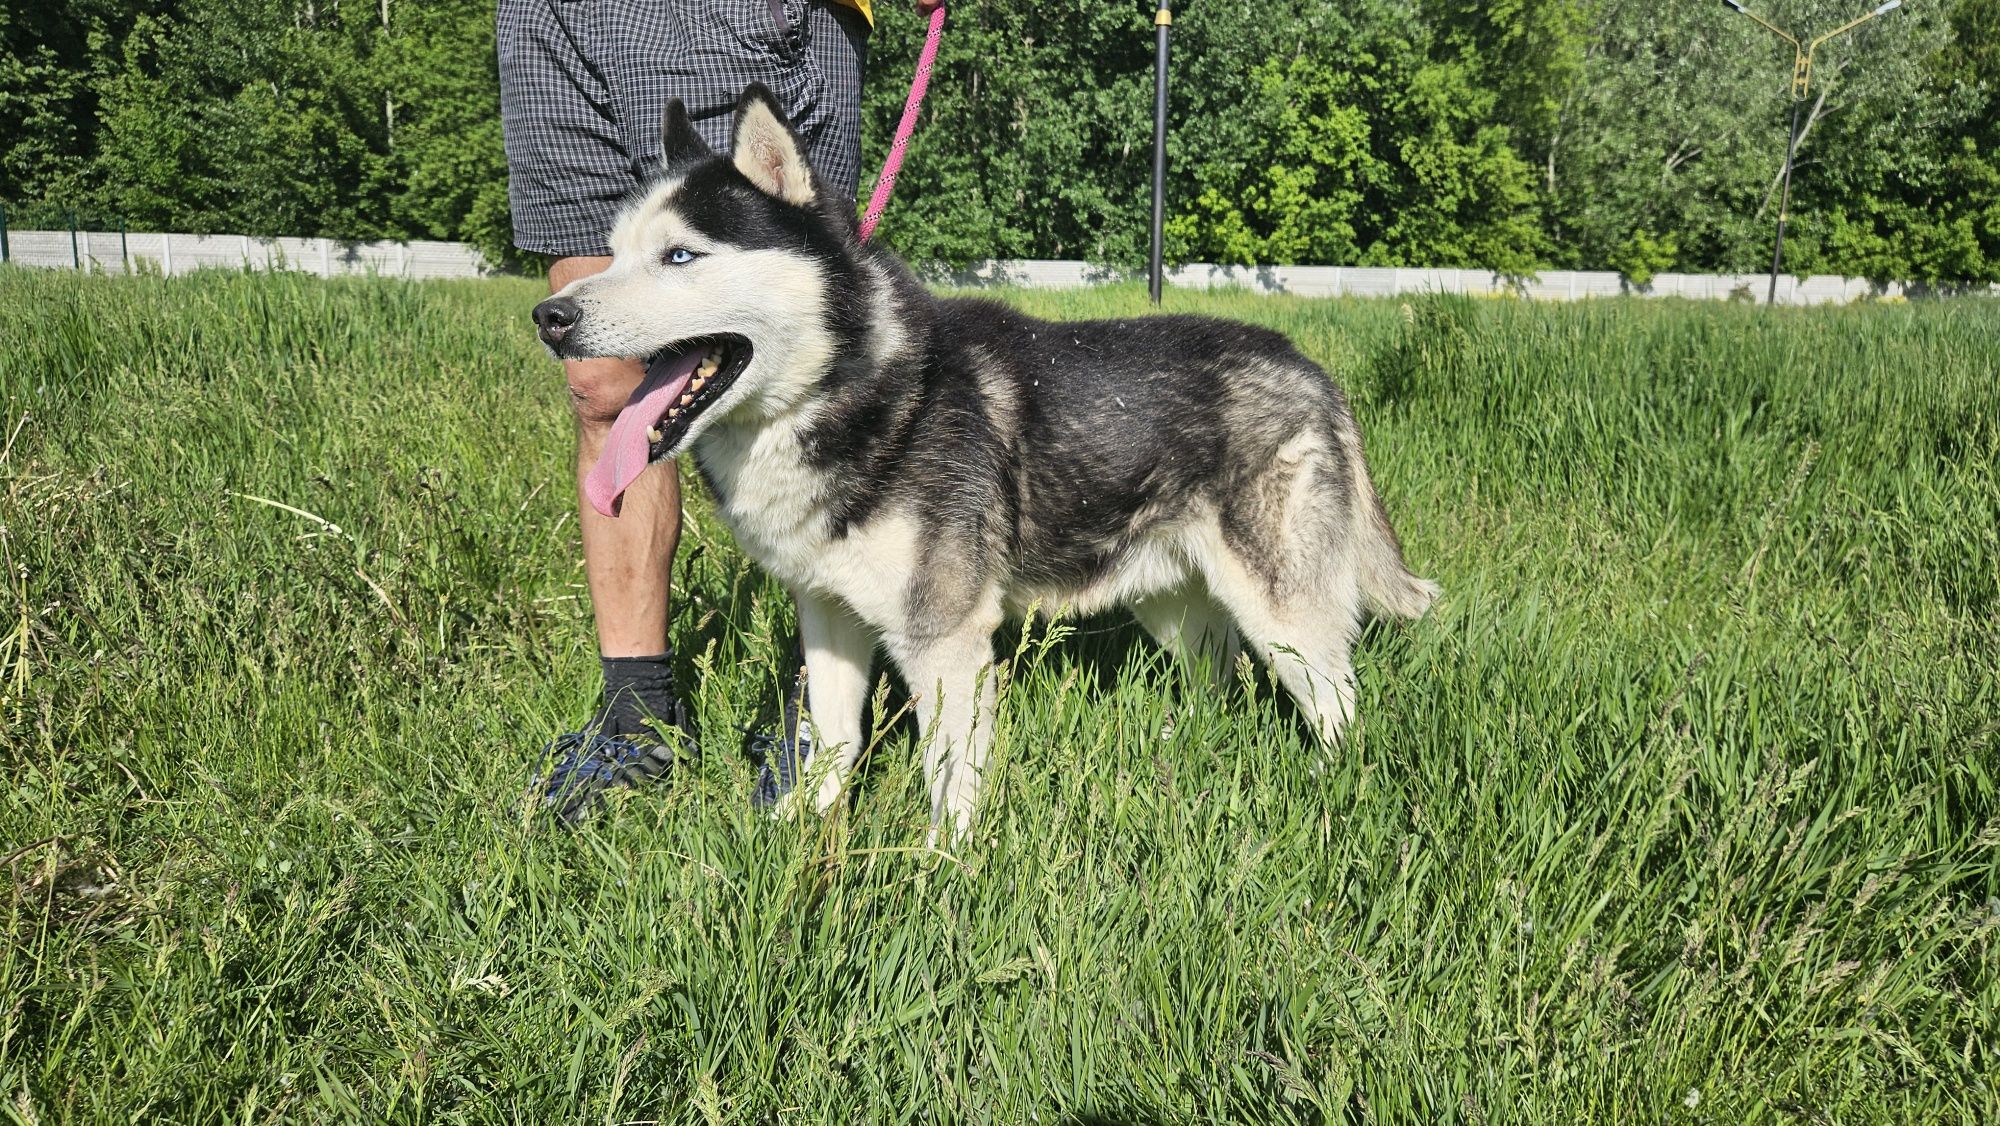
914,469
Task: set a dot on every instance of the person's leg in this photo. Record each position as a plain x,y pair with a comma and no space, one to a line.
628,559
567,173
826,92
628,562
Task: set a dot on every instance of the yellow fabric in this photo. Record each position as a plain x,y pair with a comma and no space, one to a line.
860,6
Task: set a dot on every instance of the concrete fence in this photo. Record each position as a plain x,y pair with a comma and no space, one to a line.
1355,281
116,252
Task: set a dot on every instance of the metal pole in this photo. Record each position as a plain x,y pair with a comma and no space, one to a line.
1163,21
75,255
1784,204
6,252
124,247
1802,56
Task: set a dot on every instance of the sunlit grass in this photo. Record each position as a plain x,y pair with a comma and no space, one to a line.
1679,807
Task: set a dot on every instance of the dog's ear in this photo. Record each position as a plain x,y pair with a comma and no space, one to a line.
679,144
767,152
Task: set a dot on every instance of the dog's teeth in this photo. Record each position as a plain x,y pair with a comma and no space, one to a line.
673,412
686,399
698,381
654,434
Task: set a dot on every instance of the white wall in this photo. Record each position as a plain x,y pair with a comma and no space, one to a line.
111,253
178,254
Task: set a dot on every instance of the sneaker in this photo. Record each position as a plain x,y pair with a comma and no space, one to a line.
781,756
589,765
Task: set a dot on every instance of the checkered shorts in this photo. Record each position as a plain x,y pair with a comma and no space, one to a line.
584,87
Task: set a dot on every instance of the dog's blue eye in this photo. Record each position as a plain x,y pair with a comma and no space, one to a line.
680,256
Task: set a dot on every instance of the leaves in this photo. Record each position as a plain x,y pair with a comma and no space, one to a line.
1513,136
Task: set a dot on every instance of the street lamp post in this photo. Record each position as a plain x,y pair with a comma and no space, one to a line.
1802,59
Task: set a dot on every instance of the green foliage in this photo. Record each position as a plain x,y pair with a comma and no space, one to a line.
1512,136
1299,199
264,117
1386,159
1036,139
1679,807
1643,255
53,58
238,114
451,173
1932,213
1527,52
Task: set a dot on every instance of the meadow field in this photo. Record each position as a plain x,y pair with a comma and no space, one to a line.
1679,807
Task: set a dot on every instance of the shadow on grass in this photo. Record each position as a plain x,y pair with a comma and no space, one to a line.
1104,647
1115,1116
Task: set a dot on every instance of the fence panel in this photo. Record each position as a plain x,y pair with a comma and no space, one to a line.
115,252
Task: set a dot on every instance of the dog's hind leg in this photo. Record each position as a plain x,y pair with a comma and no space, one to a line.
839,651
1187,623
1309,645
952,678
1299,605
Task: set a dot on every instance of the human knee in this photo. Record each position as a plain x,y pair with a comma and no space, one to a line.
598,390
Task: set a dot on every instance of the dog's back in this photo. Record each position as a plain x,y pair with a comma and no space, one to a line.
1079,443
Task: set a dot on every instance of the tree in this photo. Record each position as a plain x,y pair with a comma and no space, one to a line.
1915,191
258,116
449,169
1037,133
52,56
1361,139
1677,126
1511,135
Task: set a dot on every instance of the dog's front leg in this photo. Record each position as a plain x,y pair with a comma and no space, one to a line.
952,678
839,652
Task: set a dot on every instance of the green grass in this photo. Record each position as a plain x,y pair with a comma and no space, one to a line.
1680,807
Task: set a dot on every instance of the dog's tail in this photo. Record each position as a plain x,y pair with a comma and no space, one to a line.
1388,586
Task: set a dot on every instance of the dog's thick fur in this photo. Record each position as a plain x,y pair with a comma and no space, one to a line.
913,469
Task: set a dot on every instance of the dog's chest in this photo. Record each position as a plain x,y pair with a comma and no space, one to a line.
773,502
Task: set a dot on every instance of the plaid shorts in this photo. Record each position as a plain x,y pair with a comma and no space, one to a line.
584,87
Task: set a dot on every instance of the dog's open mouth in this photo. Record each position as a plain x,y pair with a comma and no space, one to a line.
693,377
682,383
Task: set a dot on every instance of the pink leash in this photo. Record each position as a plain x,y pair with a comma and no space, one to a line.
886,182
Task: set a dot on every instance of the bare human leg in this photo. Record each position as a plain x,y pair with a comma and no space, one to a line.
628,560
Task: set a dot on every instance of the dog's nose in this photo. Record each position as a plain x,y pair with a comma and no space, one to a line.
555,317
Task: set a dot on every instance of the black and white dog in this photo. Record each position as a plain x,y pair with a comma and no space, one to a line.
914,469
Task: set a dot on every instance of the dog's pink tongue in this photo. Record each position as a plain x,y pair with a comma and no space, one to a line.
625,452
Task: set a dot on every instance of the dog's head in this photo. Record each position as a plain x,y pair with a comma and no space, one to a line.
718,281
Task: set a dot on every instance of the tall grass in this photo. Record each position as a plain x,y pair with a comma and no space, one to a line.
1679,807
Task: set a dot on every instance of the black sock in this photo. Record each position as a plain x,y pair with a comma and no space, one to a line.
639,698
